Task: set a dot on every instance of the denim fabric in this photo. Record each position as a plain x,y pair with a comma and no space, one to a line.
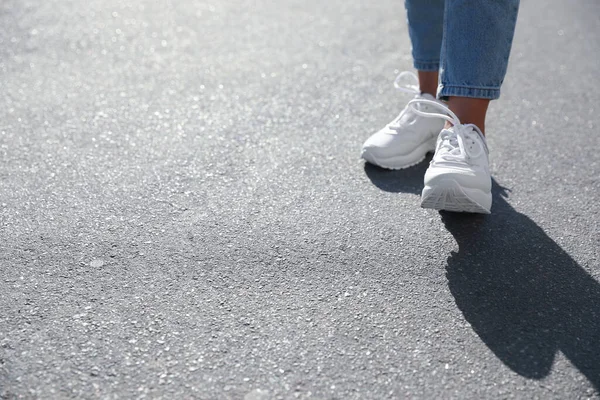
468,41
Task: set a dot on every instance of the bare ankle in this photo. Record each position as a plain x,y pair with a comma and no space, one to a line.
428,82
470,110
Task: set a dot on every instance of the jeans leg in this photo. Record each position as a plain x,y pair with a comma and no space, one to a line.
425,27
476,44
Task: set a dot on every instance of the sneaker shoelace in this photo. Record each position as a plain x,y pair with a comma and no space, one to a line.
456,144
412,89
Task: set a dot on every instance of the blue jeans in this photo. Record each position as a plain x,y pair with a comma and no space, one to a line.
467,41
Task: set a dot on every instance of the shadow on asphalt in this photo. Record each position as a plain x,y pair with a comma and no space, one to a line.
409,180
523,295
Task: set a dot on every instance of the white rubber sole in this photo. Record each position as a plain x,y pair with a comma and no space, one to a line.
401,161
451,196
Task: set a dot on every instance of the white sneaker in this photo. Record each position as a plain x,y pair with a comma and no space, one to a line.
458,178
409,137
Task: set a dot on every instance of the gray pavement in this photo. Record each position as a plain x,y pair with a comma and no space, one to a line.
183,212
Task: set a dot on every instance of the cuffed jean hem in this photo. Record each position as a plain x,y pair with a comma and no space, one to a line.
427,66
445,91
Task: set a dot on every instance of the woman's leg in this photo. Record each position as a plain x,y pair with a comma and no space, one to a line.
476,45
425,26
428,82
469,110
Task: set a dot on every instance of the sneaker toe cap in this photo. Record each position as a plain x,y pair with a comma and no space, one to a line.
384,144
465,177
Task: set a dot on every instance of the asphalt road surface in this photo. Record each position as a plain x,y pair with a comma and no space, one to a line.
183,211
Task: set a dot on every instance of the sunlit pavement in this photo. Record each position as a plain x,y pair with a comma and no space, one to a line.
183,211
